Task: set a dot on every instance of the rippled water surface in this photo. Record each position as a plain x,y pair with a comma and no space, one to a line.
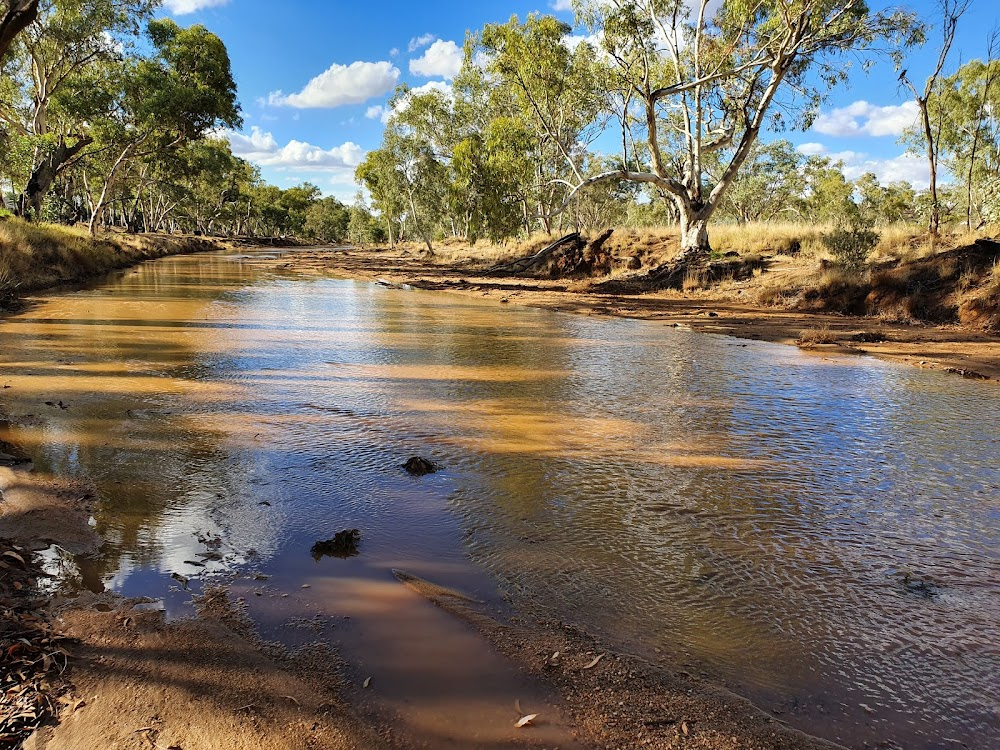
822,535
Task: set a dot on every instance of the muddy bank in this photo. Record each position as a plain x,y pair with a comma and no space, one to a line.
964,351
139,682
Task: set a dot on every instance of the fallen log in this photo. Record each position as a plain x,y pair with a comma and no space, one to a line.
520,265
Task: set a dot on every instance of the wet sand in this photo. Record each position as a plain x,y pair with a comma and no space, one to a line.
965,352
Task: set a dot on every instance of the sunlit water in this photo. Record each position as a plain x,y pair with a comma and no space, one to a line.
822,535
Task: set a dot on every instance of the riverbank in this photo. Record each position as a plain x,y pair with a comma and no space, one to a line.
728,309
113,672
34,257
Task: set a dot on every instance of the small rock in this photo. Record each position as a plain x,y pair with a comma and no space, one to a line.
344,544
418,466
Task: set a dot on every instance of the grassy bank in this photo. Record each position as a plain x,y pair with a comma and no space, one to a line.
38,256
911,278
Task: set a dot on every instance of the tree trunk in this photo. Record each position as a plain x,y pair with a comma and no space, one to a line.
694,233
16,20
29,204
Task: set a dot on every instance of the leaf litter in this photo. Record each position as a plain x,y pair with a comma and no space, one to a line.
32,657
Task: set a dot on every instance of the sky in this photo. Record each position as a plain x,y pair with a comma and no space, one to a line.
314,77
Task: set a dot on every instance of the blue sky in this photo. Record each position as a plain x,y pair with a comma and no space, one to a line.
313,76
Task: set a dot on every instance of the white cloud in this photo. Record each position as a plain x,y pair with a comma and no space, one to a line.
384,113
811,149
862,118
260,147
394,52
573,41
420,41
342,84
183,7
441,59
376,112
906,167
562,5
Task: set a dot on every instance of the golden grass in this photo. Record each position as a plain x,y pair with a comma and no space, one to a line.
36,256
815,336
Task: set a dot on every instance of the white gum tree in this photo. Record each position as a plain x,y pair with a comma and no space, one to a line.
702,78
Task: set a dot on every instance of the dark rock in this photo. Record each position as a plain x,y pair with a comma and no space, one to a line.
418,466
921,587
344,544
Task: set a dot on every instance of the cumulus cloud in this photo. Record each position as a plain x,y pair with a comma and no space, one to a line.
811,149
342,84
260,147
384,113
906,167
862,118
183,7
440,59
420,41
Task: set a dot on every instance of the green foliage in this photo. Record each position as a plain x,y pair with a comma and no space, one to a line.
327,221
851,245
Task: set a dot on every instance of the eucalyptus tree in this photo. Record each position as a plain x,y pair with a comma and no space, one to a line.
828,194
182,91
61,69
931,128
968,106
886,204
717,79
541,78
379,174
406,177
768,185
327,221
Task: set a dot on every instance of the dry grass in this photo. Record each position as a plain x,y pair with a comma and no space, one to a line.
36,256
815,337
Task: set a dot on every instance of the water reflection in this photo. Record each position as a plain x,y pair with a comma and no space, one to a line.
757,513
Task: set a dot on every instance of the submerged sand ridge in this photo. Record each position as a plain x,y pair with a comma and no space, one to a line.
676,495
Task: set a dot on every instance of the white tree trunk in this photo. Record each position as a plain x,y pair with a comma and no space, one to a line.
694,232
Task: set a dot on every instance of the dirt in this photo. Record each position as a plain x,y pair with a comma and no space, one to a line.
963,351
37,511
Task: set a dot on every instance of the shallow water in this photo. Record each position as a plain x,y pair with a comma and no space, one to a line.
821,534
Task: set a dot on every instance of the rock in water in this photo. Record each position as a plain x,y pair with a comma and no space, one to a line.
418,466
344,544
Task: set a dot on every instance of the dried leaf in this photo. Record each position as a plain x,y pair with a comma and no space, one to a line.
594,662
15,556
517,707
79,704
292,699
525,720
684,728
367,682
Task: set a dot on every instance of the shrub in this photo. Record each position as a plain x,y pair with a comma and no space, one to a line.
852,245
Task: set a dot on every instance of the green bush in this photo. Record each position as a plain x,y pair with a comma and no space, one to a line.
852,245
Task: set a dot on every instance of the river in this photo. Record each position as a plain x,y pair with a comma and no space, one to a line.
820,534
